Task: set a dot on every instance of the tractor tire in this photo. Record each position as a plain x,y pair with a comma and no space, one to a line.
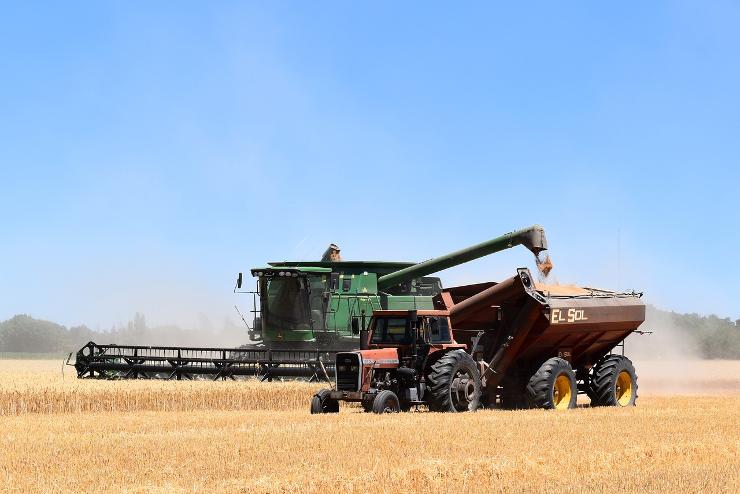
553,386
454,383
386,402
323,403
614,382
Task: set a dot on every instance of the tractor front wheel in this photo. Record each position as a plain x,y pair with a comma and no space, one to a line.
322,402
553,386
386,402
454,383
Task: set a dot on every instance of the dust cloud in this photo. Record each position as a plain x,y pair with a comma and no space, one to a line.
201,333
669,361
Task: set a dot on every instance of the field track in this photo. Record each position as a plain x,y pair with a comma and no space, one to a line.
69,435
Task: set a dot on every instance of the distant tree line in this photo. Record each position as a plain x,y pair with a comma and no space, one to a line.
23,333
708,337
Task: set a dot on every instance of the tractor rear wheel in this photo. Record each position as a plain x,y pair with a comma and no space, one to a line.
323,403
614,382
454,383
553,386
386,402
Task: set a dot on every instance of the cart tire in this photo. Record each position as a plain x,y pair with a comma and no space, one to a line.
454,383
614,382
386,402
323,403
553,386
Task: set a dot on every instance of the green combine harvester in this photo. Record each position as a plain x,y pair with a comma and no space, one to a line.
303,315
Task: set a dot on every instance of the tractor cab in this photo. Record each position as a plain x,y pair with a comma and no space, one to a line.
411,335
408,327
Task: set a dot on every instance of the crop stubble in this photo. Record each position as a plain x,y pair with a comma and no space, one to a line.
187,437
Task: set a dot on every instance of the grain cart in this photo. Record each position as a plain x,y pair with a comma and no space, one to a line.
508,344
303,315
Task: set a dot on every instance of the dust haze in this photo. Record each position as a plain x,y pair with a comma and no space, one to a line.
669,361
228,334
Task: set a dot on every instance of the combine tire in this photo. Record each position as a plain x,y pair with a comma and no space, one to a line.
323,403
386,402
553,386
454,383
614,382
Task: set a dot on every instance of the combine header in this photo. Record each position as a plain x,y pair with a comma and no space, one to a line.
304,314
166,362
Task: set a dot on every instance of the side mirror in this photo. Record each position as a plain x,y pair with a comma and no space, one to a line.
355,326
239,281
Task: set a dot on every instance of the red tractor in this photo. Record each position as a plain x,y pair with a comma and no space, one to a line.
410,359
505,344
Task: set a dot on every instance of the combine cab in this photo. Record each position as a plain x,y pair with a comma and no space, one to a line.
510,344
304,313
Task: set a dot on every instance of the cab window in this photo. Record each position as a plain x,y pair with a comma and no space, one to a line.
391,330
439,330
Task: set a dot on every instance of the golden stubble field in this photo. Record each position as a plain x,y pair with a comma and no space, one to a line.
144,436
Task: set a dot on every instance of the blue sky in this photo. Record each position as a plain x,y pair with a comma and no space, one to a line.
148,153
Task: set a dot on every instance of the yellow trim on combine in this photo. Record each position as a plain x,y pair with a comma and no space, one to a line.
623,388
562,392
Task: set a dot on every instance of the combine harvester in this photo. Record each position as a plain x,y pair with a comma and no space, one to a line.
307,312
510,344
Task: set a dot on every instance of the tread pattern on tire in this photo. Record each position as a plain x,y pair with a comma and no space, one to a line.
540,385
440,378
604,377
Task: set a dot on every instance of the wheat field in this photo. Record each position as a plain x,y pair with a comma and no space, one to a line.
65,435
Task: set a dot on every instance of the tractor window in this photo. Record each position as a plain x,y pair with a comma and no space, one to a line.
391,330
439,330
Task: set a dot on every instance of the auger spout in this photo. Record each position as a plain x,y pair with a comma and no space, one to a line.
533,238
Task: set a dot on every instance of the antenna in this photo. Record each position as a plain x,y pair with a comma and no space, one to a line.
619,259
